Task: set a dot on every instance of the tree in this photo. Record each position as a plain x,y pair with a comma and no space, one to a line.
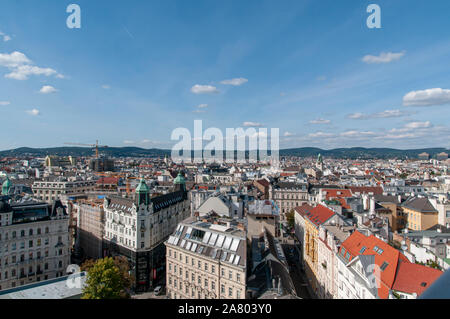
291,219
107,278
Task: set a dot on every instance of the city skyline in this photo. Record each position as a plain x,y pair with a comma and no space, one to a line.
132,74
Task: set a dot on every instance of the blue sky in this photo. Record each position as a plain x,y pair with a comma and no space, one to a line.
311,68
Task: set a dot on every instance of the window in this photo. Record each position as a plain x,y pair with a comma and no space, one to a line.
384,266
230,292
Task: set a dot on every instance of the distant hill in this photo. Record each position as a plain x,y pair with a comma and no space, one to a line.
350,153
83,151
361,152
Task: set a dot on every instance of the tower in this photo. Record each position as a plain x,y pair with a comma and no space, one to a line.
142,193
319,163
180,182
6,186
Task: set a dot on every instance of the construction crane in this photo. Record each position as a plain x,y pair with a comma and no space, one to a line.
95,146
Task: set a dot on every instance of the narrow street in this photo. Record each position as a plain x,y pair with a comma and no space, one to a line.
295,268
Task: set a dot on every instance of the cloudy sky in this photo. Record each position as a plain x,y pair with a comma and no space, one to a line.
136,70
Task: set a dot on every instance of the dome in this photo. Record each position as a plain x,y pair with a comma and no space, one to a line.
179,179
6,186
142,187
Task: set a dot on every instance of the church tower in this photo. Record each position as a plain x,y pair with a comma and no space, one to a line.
180,182
6,187
319,163
142,193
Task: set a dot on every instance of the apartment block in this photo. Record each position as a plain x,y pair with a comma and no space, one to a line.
206,259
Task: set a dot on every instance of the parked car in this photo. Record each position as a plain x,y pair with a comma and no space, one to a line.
158,290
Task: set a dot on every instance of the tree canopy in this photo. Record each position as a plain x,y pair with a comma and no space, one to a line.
107,278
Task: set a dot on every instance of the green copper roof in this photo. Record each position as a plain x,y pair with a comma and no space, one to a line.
179,179
6,186
142,187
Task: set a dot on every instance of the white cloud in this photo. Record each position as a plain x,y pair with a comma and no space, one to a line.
359,134
287,134
416,125
412,126
384,114
356,116
202,106
252,124
13,60
34,112
198,111
5,37
47,89
235,82
321,135
129,142
4,103
436,96
384,57
390,113
106,87
23,72
21,67
204,89
320,121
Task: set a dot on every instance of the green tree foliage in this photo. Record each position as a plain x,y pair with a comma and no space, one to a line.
107,278
291,219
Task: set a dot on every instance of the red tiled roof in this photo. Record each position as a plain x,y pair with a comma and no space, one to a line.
263,182
413,278
354,245
287,174
108,180
303,210
333,193
316,215
340,195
